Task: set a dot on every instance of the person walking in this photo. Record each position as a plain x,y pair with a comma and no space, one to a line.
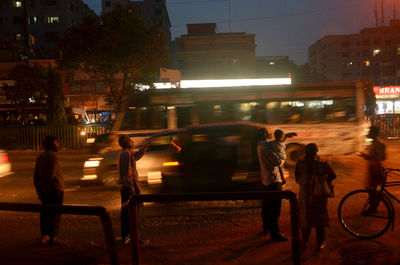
271,156
376,153
49,184
313,208
128,181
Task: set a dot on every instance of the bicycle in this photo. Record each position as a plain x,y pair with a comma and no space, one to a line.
369,223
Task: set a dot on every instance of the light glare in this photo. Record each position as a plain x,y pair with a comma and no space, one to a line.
89,177
92,163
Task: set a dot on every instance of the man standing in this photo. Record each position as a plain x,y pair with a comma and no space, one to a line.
128,181
49,183
271,156
376,153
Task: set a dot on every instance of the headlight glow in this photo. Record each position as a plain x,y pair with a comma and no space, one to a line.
90,140
92,163
89,177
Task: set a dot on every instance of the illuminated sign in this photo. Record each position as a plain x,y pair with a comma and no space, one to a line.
387,90
226,83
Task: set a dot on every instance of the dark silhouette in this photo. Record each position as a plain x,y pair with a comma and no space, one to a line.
376,153
128,181
271,156
49,184
313,208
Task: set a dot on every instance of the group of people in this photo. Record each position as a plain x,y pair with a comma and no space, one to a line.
313,207
49,184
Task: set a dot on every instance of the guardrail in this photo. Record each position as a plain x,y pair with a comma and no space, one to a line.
101,212
31,137
220,196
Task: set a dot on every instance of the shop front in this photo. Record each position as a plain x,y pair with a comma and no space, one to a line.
387,99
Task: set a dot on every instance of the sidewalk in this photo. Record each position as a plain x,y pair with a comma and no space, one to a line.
231,238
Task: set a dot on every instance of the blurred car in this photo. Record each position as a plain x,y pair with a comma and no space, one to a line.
5,165
205,157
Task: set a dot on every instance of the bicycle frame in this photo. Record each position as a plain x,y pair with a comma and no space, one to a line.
385,194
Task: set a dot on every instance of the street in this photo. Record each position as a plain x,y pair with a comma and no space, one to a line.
183,233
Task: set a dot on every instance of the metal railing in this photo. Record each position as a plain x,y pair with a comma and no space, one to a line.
31,137
389,125
220,196
101,212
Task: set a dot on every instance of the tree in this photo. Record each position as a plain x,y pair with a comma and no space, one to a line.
36,85
30,84
119,48
55,99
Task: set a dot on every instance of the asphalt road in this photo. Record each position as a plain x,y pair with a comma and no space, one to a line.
18,187
195,233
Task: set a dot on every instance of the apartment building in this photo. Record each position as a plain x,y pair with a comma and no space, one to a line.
38,24
153,11
205,54
374,53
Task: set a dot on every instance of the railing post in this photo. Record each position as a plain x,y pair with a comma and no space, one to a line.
136,199
134,229
294,221
109,236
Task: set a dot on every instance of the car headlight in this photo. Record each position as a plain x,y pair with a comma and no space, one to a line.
93,162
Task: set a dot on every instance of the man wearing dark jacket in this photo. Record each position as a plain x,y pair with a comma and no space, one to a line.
49,184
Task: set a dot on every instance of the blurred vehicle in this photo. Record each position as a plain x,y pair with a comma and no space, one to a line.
205,157
5,165
333,115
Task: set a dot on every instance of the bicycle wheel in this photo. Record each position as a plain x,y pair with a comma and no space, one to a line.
360,221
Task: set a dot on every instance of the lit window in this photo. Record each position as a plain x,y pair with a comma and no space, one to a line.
53,20
18,4
398,50
19,36
376,52
366,63
33,20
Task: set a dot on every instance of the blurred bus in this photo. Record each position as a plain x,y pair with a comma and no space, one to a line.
328,114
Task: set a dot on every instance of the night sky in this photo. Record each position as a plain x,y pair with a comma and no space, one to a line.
282,27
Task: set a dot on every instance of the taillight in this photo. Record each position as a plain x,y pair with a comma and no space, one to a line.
171,164
286,174
3,159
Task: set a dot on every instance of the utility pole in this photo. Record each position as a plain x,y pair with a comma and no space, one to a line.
229,10
383,14
376,14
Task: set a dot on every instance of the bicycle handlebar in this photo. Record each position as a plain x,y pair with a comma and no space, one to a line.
391,169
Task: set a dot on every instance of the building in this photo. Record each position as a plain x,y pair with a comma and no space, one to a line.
374,54
205,54
153,11
10,51
387,99
274,66
40,23
83,92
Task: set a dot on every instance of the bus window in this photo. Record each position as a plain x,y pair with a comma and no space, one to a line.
312,111
184,115
248,111
145,118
